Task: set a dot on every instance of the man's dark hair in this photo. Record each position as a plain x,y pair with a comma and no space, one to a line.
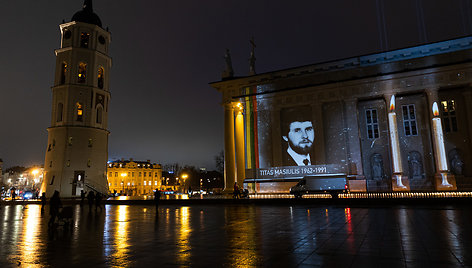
295,114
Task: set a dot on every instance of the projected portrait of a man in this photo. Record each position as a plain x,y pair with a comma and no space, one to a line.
298,136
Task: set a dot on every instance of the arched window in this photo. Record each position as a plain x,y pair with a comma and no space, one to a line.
99,115
82,73
63,72
60,108
84,40
100,77
80,111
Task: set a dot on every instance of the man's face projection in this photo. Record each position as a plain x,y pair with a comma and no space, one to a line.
300,137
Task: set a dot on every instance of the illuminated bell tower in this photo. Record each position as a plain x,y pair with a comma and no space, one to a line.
77,150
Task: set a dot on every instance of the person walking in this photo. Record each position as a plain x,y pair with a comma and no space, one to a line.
91,199
54,205
236,191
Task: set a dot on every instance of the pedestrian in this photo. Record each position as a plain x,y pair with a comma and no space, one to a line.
157,197
91,199
54,205
98,201
43,202
236,191
82,197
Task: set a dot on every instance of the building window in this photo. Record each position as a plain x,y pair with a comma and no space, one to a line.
144,183
409,120
144,174
90,142
150,175
372,124
70,141
116,174
82,73
155,183
111,174
80,111
132,174
149,182
52,181
99,115
84,40
155,175
100,77
63,73
60,108
448,116
89,163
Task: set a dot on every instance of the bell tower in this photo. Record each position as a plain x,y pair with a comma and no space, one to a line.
77,149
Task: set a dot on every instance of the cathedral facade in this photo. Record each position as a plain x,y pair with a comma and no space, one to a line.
391,121
77,149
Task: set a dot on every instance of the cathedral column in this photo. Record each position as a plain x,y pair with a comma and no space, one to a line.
230,168
442,179
239,142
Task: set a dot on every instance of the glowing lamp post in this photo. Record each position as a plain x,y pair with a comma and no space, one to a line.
397,160
439,149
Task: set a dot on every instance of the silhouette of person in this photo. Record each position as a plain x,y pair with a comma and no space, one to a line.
91,199
43,202
54,205
157,196
98,201
236,191
82,197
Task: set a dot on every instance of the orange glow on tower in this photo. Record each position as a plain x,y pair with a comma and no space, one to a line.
392,103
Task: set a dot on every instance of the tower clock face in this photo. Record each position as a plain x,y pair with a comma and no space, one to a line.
67,34
101,39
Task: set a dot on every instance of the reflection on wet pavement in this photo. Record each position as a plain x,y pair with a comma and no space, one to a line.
238,236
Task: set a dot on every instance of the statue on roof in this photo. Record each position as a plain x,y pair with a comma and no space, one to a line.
228,72
252,58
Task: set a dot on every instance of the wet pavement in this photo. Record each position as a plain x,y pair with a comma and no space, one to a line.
242,235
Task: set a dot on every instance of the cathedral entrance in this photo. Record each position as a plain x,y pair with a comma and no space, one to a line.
79,179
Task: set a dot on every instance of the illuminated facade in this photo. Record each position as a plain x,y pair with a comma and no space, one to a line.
77,149
134,178
372,118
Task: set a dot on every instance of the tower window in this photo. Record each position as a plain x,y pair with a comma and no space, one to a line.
84,40
89,163
448,116
80,111
99,115
100,77
90,143
60,108
82,72
409,120
70,141
63,72
372,124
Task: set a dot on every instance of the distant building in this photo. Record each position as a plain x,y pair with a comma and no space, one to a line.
77,149
134,178
170,182
369,117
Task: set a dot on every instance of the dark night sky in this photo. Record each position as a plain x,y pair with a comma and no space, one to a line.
166,52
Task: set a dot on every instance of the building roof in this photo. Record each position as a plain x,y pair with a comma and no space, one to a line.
87,15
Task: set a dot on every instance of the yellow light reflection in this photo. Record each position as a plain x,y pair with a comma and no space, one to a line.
120,254
183,244
29,244
242,239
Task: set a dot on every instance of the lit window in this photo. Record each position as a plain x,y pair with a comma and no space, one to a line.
80,111
60,108
63,72
144,183
372,124
109,184
84,40
100,77
409,120
149,182
155,183
82,73
448,116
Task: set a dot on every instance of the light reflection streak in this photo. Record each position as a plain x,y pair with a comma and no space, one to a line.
121,250
183,244
242,238
30,243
